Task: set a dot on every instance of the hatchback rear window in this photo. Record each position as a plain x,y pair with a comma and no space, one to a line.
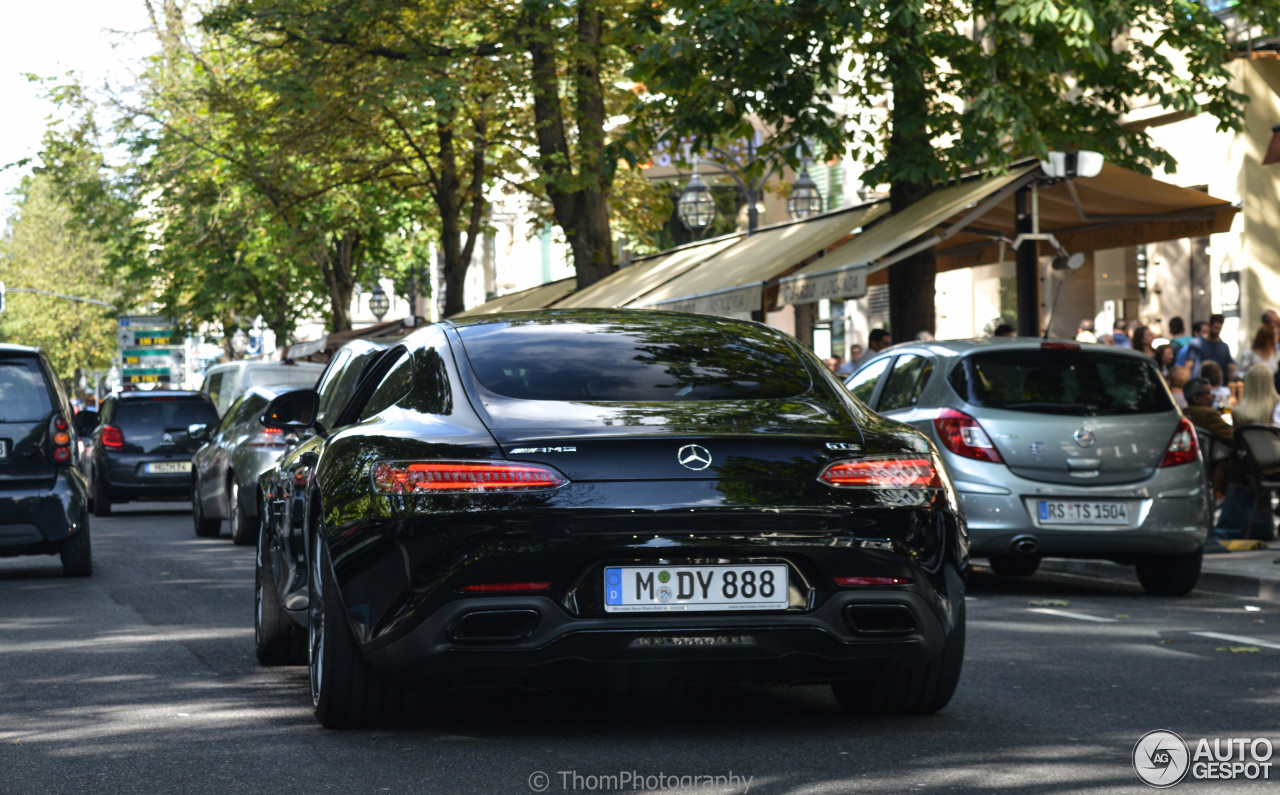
163,414
1061,382
663,358
23,394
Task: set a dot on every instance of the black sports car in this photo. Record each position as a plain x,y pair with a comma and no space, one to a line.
596,497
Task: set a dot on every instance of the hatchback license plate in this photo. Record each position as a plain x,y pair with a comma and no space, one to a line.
167,467
1083,512
656,589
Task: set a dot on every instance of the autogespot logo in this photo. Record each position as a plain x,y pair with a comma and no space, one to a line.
1161,758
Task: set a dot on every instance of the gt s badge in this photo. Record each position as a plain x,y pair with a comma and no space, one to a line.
846,447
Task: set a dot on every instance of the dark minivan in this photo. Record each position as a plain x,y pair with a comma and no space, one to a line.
142,446
42,494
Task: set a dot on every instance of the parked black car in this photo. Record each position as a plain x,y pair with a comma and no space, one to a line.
225,470
142,446
42,494
604,496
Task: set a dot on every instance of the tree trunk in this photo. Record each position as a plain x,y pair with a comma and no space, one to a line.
338,260
911,281
578,201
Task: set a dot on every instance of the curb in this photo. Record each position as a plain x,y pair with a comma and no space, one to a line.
1218,582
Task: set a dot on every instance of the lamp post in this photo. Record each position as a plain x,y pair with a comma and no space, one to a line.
378,301
752,189
805,201
696,206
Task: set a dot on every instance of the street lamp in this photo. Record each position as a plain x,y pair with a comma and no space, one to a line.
378,302
696,206
805,201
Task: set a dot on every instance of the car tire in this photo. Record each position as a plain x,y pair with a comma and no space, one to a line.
346,691
242,529
277,640
908,689
1013,565
1170,575
205,528
101,497
77,554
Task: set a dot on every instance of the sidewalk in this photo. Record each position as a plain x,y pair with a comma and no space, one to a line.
1251,574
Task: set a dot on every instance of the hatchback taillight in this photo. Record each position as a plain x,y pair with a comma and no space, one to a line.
426,477
112,437
59,440
1183,448
962,435
883,473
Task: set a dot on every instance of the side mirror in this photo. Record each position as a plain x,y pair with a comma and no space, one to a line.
292,411
86,422
199,432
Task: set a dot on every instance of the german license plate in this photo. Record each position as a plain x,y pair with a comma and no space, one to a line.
1083,512
166,467
655,589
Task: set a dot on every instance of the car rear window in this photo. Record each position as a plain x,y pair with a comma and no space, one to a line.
159,414
1061,382
663,358
23,394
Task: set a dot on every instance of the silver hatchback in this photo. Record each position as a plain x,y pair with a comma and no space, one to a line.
1057,449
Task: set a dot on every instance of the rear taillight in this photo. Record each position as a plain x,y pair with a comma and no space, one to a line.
267,437
1183,448
462,476
883,473
59,440
112,437
962,435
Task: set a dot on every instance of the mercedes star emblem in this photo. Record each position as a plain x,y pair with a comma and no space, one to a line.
167,438
694,456
1084,437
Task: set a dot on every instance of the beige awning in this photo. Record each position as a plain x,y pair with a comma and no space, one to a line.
630,283
732,282
843,273
540,297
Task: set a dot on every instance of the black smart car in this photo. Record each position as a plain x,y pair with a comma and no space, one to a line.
602,497
142,446
42,493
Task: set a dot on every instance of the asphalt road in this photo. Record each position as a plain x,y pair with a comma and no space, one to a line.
142,679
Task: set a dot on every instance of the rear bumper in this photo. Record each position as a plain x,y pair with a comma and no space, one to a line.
551,647
127,480
37,520
1169,516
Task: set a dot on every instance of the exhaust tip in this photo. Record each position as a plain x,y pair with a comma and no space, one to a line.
494,626
1024,545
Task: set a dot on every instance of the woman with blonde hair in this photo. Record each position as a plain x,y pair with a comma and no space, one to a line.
1259,402
1262,351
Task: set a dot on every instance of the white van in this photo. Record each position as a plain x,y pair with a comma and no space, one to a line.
223,383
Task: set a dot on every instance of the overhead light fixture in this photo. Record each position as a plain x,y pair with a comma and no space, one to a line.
805,201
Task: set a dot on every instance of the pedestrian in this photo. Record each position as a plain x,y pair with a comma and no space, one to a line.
1211,372
1259,401
1227,475
877,341
855,353
1273,320
1118,336
1178,378
1143,341
833,363
1106,339
1164,356
1084,332
1209,347
1004,330
1262,351
1178,336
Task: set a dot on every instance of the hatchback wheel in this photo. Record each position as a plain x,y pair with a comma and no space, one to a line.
1170,575
101,497
205,528
277,640
915,689
77,555
241,527
1014,565
346,691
